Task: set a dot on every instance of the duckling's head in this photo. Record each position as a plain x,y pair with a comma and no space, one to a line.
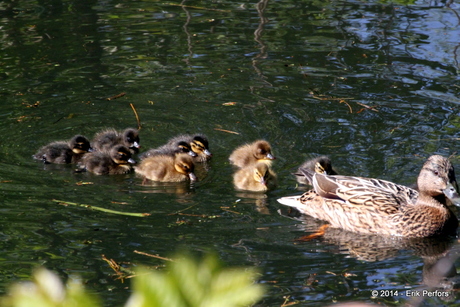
261,173
80,145
184,147
131,138
200,146
437,177
323,165
183,164
120,154
263,151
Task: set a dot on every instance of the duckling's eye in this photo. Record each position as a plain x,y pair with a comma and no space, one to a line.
436,173
262,151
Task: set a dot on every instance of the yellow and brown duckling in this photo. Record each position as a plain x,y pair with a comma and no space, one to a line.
169,150
382,207
106,139
167,168
248,154
64,152
198,143
117,161
320,165
258,177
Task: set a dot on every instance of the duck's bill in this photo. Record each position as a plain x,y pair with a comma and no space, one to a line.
192,153
192,177
270,157
136,145
208,153
452,194
132,161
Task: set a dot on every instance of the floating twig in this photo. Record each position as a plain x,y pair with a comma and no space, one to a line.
197,7
137,116
153,256
228,131
116,96
120,271
66,203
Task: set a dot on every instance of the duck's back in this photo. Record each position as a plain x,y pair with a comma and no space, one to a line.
56,152
106,139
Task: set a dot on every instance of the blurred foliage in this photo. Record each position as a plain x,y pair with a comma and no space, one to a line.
185,283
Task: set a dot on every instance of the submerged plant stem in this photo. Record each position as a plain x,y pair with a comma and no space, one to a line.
66,203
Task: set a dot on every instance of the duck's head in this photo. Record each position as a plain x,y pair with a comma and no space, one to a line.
120,154
263,151
184,147
131,138
261,173
183,164
437,177
200,146
323,165
80,145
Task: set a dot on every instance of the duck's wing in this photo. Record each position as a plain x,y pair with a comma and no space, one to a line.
358,191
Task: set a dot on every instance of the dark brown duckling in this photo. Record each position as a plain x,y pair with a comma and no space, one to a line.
198,143
169,150
258,178
106,139
64,152
115,162
248,154
320,165
165,168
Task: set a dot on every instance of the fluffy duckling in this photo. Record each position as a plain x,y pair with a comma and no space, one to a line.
320,165
258,178
166,168
252,153
169,150
64,152
198,143
106,139
117,161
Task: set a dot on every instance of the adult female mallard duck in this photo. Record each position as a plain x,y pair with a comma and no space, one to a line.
198,143
258,178
382,207
247,154
165,168
117,161
106,139
321,165
62,152
169,150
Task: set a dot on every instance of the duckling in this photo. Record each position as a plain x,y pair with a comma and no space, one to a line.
169,150
64,152
252,153
117,161
198,143
166,168
258,178
106,139
320,165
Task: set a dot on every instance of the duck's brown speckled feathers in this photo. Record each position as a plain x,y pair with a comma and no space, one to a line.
114,162
321,165
64,152
258,178
167,168
106,139
249,154
382,207
169,150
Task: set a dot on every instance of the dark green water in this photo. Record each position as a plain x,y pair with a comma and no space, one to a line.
374,86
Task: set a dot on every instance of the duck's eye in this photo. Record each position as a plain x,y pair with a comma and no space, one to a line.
262,151
436,173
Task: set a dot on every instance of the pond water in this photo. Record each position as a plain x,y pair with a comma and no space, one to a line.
374,85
